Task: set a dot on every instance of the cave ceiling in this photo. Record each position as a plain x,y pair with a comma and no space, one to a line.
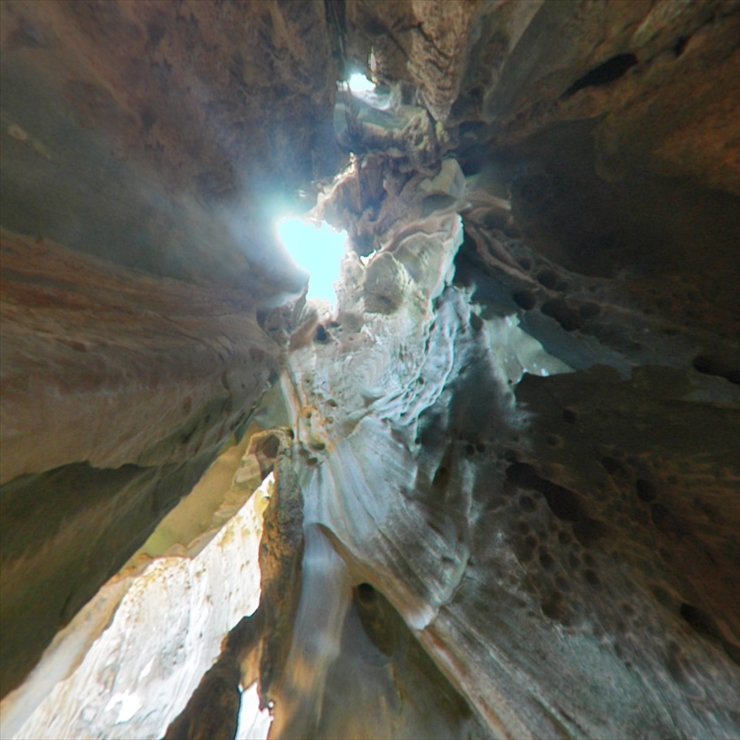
493,492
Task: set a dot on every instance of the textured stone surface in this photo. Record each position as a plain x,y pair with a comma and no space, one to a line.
507,474
508,70
166,631
180,85
118,390
463,504
662,114
156,138
173,367
163,136
423,41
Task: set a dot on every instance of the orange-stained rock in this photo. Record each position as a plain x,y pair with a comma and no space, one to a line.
108,366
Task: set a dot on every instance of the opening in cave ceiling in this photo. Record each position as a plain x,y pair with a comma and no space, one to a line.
359,83
487,487
318,249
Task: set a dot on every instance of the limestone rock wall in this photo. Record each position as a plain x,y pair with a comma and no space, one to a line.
172,368
660,77
118,390
508,506
556,543
164,631
144,150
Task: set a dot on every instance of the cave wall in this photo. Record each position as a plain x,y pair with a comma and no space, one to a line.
153,135
118,391
659,77
549,555
532,554
143,155
556,543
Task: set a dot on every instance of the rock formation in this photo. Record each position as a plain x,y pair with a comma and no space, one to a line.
493,492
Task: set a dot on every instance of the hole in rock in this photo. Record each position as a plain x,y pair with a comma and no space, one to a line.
366,594
527,504
704,625
722,367
605,73
645,490
563,503
546,560
592,579
525,299
566,316
613,466
549,279
680,45
698,620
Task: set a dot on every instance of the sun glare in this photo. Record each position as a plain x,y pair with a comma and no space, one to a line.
317,249
358,83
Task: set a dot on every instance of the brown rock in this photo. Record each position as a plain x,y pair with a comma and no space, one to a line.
73,327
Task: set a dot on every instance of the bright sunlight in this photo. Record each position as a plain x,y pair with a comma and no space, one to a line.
358,83
318,249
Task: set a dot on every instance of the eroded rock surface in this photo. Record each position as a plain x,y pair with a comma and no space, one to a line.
506,464
129,661
456,503
118,391
165,138
508,70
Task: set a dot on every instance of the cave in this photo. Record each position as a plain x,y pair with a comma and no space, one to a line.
369,369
